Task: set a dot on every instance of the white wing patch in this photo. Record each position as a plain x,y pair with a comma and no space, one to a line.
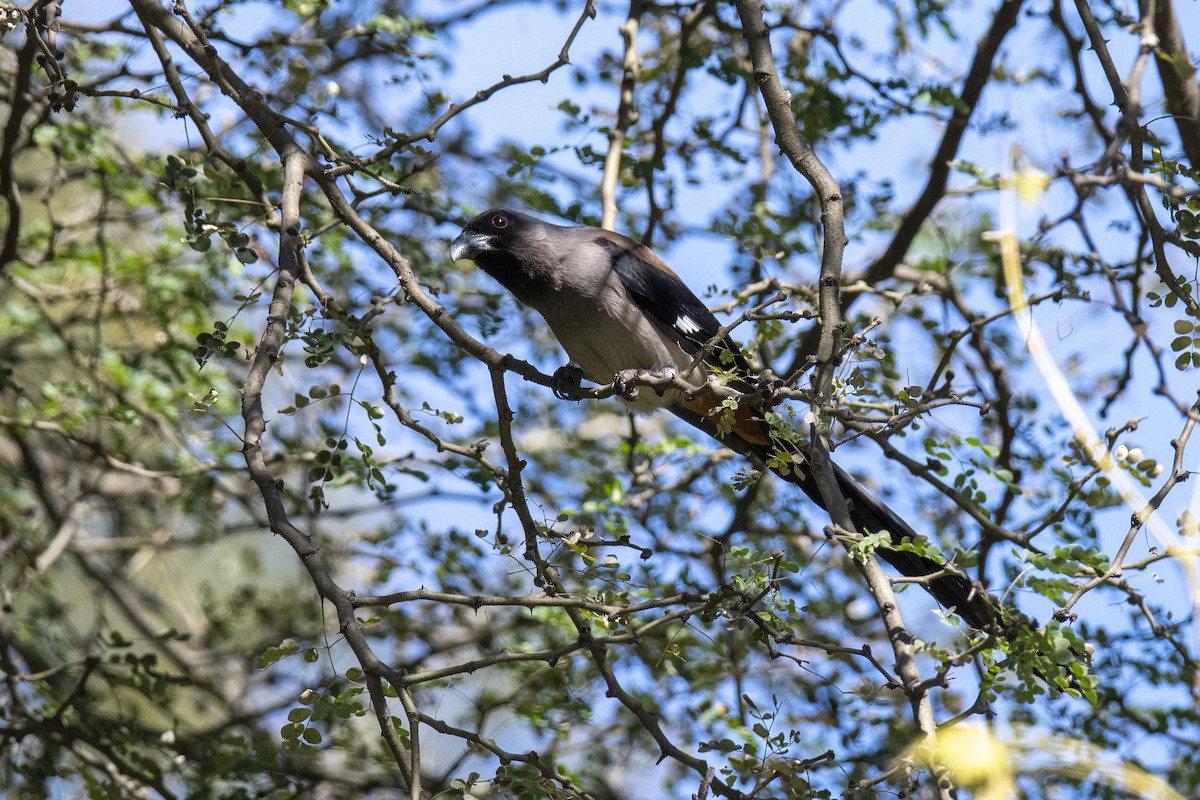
686,325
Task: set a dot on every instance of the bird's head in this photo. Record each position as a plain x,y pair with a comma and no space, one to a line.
516,249
496,230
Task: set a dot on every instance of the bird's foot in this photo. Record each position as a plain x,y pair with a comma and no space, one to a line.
566,382
665,374
621,383
652,377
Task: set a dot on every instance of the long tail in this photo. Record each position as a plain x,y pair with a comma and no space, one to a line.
951,588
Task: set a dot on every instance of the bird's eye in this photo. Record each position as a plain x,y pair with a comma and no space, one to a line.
499,221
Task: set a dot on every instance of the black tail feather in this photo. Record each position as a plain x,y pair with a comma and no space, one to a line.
952,588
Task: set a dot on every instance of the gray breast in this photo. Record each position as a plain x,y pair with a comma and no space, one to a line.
604,332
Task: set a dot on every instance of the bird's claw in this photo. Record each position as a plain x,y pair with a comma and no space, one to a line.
566,382
623,379
621,383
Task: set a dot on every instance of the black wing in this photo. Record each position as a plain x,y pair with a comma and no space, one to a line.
671,304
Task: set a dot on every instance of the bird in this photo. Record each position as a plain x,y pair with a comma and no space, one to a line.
619,311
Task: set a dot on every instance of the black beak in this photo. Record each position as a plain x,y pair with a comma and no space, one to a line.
469,245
